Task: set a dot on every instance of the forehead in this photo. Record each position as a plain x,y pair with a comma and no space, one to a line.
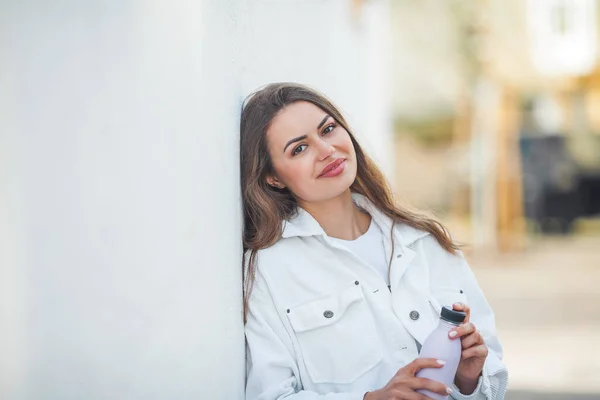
296,119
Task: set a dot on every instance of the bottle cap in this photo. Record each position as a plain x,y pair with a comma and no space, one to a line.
454,316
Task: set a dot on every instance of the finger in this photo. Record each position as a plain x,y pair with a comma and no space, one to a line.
463,307
474,339
429,384
417,364
480,351
414,396
462,330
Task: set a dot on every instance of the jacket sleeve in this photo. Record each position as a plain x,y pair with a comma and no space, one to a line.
271,368
494,380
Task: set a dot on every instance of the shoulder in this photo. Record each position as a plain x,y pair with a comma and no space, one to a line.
275,254
445,269
409,235
275,259
424,241
435,255
276,271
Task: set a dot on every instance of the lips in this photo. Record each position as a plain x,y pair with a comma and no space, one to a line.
332,165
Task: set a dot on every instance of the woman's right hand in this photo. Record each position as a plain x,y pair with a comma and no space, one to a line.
403,385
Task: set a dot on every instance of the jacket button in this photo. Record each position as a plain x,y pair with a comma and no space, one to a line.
356,282
414,315
328,314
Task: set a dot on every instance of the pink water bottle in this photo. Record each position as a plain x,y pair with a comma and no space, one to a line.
438,345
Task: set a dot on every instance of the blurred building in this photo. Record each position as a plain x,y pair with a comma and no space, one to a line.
506,93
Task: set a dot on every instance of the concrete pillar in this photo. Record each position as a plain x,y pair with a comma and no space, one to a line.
120,261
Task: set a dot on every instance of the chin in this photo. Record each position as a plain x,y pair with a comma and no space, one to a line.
334,190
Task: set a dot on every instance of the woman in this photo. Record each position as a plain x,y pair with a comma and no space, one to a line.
341,285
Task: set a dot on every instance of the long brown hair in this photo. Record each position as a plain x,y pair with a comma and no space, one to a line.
265,208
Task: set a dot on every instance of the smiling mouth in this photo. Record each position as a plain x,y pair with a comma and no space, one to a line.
331,166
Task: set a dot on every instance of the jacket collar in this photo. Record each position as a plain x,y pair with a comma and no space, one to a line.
303,224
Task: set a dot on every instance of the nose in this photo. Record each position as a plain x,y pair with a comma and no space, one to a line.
326,150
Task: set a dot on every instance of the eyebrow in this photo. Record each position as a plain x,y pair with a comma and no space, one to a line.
322,121
299,138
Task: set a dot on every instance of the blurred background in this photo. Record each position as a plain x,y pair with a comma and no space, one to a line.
120,246
495,110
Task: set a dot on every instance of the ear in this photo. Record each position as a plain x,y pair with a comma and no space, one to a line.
275,183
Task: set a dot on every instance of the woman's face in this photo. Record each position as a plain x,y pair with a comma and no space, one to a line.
312,155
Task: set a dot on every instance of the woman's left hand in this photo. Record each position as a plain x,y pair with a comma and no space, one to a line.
474,352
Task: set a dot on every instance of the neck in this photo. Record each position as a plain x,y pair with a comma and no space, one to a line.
339,217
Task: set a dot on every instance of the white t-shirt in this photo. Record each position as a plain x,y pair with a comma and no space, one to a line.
369,247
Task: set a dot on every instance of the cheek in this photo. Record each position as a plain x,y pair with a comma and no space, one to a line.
295,173
349,144
344,143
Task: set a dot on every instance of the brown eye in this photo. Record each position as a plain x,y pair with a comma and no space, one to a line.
298,149
328,129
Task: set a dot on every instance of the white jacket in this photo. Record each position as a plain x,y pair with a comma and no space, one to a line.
323,324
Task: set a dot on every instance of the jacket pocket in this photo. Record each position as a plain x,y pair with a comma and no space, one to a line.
446,296
337,336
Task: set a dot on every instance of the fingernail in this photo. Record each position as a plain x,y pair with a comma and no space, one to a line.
453,333
441,362
458,304
449,391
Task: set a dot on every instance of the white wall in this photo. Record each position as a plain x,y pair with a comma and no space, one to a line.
120,242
